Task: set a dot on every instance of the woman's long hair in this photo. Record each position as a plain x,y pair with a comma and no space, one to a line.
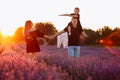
28,26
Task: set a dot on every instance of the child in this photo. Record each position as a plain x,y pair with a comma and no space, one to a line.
31,35
75,14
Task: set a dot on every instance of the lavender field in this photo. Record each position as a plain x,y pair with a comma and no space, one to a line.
52,63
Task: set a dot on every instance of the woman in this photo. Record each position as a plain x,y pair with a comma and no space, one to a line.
31,35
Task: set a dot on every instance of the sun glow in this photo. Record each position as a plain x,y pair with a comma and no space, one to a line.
7,32
6,35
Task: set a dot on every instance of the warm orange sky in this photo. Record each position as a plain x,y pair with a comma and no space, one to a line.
94,13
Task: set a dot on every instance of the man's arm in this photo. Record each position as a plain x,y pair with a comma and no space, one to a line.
46,36
84,34
57,34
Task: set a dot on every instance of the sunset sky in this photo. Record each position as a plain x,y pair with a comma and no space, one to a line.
94,13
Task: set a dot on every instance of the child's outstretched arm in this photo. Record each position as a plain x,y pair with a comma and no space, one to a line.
64,15
70,15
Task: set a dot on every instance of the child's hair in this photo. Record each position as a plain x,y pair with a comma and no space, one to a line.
77,8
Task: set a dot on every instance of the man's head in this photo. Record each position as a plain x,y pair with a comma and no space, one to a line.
76,10
74,20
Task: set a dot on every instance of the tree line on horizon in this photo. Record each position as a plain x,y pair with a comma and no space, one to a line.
103,36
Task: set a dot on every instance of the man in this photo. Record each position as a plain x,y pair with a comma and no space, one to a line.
74,34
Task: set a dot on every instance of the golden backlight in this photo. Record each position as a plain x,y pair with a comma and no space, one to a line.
6,36
6,32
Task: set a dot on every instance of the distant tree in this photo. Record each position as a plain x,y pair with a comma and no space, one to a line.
48,29
113,39
92,37
18,36
105,31
116,29
109,37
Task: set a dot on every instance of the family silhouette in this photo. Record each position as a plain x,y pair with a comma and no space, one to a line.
73,29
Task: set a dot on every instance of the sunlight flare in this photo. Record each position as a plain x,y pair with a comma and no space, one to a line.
7,32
